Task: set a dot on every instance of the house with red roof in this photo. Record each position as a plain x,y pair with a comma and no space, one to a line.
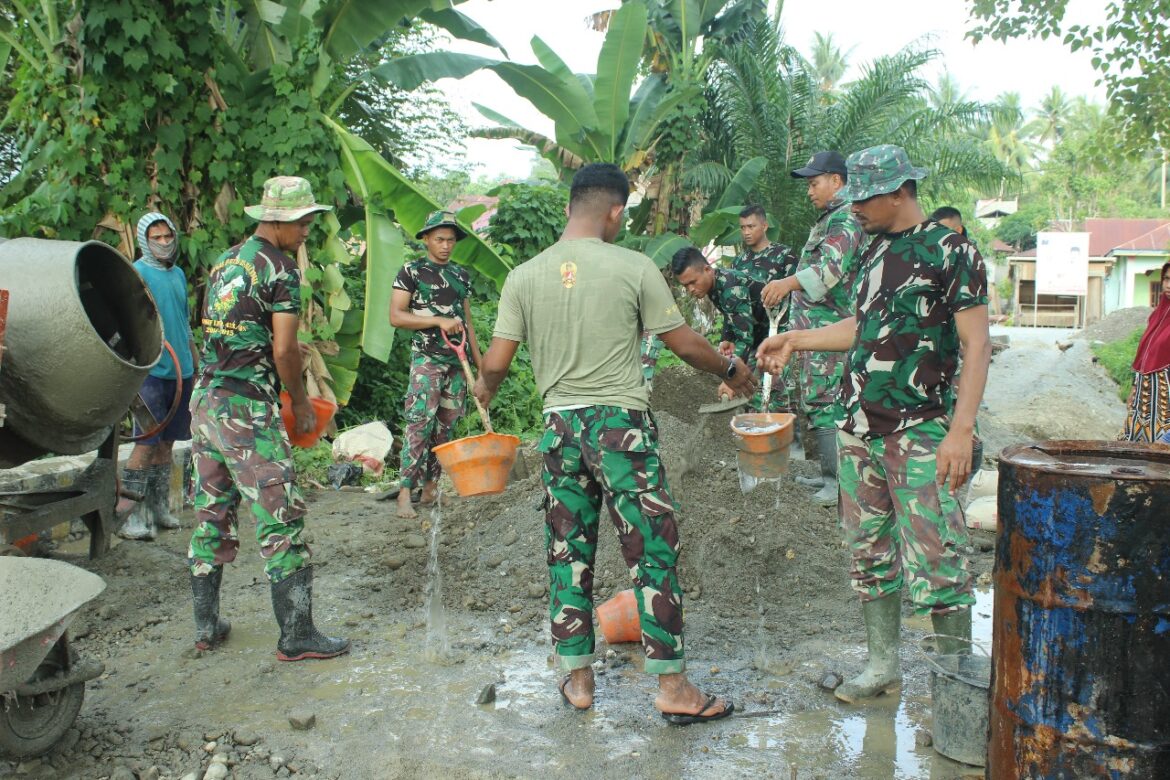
1125,257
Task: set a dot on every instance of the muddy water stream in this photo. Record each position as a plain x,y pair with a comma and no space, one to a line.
437,645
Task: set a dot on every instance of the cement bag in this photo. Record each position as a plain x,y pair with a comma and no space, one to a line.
982,513
367,444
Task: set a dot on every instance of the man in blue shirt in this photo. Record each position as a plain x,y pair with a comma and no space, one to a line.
148,472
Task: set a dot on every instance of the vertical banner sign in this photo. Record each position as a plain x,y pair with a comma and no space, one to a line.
1062,263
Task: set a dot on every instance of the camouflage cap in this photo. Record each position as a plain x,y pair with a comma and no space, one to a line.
878,170
285,199
438,219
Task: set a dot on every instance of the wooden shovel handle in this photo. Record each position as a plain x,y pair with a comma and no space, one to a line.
483,415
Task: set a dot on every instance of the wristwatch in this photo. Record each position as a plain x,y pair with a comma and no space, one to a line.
731,369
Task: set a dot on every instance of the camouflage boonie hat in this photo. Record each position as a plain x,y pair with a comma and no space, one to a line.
438,219
285,199
878,170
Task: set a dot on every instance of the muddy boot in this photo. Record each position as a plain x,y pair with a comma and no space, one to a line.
210,629
954,632
139,524
292,601
882,673
159,496
827,451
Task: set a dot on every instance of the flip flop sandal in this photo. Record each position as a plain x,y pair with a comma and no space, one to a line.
561,687
683,719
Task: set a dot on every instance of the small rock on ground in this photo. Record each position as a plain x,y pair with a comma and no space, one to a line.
302,721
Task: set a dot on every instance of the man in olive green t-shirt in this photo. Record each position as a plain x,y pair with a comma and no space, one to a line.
581,305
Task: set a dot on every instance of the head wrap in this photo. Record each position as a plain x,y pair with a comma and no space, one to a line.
1153,352
144,246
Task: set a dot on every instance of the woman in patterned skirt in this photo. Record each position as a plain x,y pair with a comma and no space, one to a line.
1148,414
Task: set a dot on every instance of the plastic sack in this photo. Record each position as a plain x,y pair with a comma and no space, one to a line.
367,445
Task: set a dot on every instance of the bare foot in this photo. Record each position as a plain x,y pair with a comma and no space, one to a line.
404,508
429,490
577,688
678,696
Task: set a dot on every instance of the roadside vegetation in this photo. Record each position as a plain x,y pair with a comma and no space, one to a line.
1116,357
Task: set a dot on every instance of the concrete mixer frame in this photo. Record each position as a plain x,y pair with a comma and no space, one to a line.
92,497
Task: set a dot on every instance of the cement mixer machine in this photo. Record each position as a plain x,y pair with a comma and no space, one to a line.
78,334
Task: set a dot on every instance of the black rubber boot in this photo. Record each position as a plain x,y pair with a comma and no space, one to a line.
210,629
159,496
292,602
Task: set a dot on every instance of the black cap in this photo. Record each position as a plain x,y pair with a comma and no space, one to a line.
822,162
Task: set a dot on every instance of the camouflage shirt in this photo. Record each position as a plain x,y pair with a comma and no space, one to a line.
827,270
247,285
774,262
902,364
745,323
436,290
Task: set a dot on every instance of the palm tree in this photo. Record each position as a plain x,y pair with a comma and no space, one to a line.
1051,119
1006,137
829,63
770,98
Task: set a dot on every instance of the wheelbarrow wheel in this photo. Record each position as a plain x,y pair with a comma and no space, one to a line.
31,725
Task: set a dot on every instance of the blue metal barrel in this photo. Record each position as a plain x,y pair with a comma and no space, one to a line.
1081,639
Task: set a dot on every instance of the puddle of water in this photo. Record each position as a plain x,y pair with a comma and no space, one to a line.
437,645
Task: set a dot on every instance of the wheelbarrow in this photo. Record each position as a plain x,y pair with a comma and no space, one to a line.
42,681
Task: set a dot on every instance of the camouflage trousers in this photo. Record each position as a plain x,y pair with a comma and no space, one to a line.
902,528
239,452
608,456
820,383
434,403
651,348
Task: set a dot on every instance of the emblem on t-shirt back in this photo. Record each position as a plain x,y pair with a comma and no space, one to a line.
568,274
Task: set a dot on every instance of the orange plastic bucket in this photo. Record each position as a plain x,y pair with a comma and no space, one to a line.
325,411
479,465
618,619
763,441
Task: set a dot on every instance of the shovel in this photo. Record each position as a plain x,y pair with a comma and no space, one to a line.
460,350
775,314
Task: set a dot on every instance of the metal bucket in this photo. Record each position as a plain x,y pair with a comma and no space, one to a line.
82,334
1081,638
959,686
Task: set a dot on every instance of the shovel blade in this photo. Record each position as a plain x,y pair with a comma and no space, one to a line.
723,406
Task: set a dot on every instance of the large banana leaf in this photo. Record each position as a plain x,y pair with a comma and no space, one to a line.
352,25
461,26
562,100
385,252
617,65
663,246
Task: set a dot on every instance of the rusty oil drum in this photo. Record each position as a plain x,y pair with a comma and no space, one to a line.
1081,641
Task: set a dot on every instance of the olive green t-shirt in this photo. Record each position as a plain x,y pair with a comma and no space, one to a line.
582,305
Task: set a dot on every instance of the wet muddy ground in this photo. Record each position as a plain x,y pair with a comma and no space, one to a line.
768,607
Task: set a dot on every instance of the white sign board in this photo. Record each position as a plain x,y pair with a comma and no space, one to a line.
1062,263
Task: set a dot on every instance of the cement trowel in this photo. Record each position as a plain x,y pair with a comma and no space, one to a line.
724,404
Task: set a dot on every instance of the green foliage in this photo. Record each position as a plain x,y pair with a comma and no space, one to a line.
529,218
1116,357
1020,229
1130,50
313,463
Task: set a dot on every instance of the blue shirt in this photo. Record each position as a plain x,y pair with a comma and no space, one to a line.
169,289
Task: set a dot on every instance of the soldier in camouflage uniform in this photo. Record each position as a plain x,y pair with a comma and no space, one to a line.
822,293
905,448
761,259
581,305
745,322
239,450
431,298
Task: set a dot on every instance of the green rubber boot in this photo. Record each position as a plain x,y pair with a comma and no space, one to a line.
882,673
954,632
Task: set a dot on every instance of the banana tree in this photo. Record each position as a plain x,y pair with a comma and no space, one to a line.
596,118
269,35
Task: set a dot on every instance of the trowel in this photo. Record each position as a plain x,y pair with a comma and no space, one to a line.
725,404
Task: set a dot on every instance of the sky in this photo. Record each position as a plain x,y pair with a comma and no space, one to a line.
866,30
